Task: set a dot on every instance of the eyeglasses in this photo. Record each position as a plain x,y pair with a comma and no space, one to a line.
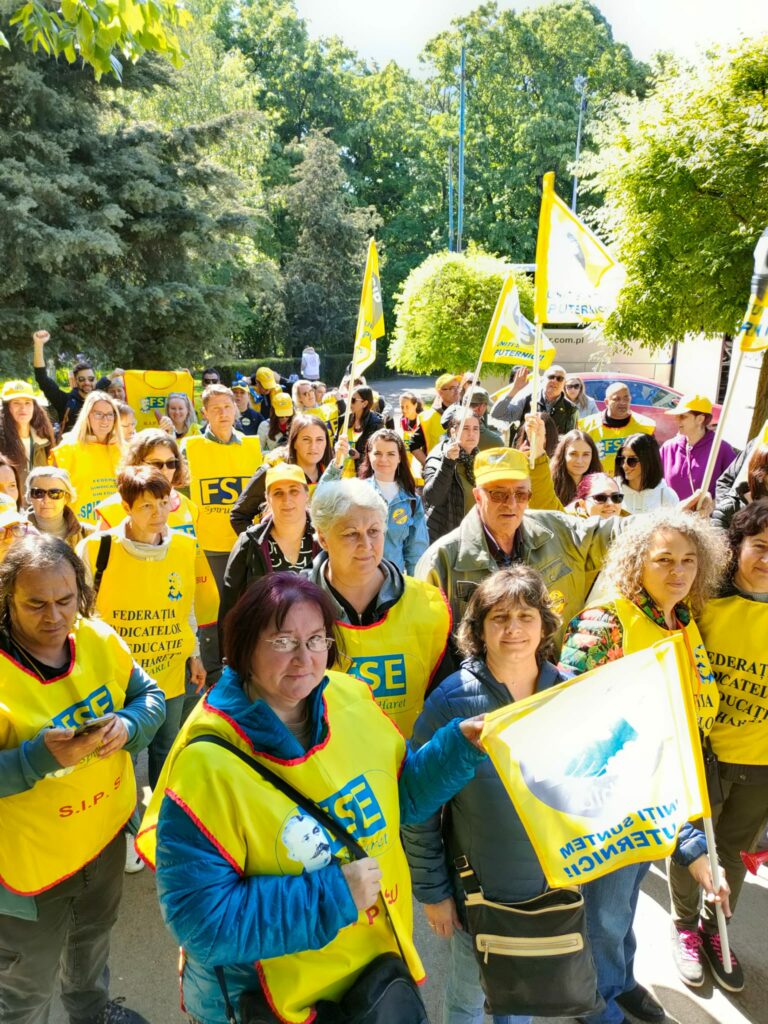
160,464
288,644
55,493
85,380
104,416
555,376
628,460
14,531
601,499
520,496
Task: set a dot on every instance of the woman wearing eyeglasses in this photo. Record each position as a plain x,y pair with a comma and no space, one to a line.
246,879
49,496
91,452
641,474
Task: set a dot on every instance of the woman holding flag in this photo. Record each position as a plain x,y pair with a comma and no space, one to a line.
734,626
662,569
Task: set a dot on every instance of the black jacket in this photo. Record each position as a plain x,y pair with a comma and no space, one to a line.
443,495
66,403
371,423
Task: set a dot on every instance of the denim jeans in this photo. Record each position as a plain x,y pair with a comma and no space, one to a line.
68,941
611,902
464,998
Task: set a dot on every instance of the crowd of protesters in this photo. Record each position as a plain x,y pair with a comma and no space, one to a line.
299,577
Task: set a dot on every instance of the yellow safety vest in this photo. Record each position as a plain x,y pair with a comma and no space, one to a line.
397,657
640,632
146,391
430,424
219,473
353,775
330,413
148,603
413,462
182,519
92,469
609,439
735,630
52,830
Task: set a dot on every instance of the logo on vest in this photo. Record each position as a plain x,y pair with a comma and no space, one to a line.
384,673
306,842
610,445
150,402
221,490
174,587
93,706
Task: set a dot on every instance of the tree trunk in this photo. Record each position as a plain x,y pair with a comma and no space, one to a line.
761,400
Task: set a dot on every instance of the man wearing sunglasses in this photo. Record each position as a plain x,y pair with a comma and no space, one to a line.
501,531
66,403
515,405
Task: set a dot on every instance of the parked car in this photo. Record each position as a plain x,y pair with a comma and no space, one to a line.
648,397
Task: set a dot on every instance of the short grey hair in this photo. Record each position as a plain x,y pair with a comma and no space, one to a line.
56,473
336,499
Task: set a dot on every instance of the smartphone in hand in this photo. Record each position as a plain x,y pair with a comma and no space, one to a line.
93,723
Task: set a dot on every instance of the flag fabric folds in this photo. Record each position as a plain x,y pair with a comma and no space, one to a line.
370,319
606,768
577,279
510,337
753,332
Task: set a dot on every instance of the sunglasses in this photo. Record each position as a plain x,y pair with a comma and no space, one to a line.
573,386
519,496
628,460
602,498
163,464
555,376
55,493
210,380
85,380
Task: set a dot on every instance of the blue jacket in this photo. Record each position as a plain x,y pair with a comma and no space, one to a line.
223,919
480,821
22,767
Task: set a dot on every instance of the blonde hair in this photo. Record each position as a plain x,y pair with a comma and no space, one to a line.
628,554
81,432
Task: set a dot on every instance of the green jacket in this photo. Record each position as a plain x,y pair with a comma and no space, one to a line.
567,551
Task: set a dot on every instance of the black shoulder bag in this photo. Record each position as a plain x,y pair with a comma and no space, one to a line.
534,956
384,993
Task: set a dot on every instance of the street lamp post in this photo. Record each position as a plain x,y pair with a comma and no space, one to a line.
580,85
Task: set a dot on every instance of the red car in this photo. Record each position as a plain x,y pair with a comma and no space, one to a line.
648,397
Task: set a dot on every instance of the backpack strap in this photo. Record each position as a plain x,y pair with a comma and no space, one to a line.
102,560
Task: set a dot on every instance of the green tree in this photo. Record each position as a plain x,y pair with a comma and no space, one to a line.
444,310
685,179
122,242
324,270
99,34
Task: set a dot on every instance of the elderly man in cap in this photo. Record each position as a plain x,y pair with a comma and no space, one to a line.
500,531
685,456
616,422
516,404
430,430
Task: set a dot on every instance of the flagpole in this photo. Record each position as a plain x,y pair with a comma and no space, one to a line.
535,383
468,395
714,867
759,290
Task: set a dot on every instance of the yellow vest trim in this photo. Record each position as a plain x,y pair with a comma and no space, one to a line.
52,830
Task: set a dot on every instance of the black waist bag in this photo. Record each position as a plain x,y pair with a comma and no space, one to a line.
384,991
534,956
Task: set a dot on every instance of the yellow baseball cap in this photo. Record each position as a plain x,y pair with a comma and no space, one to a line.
446,379
285,473
691,403
496,464
16,389
266,378
282,404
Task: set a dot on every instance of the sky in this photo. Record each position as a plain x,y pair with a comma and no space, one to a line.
397,29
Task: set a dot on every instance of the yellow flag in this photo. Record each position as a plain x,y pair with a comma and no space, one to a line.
510,335
753,333
602,771
370,319
577,279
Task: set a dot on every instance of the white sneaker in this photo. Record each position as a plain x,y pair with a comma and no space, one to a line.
133,861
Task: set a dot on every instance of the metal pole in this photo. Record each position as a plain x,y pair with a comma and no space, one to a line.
450,198
580,83
462,100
